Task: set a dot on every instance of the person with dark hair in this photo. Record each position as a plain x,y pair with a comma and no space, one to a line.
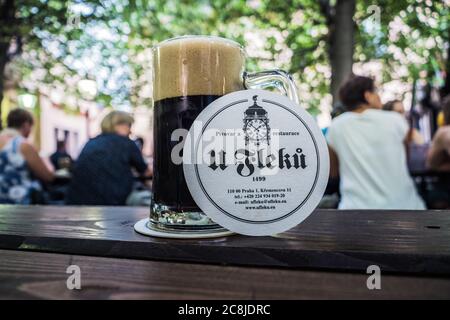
19,161
139,142
60,159
359,92
368,153
439,153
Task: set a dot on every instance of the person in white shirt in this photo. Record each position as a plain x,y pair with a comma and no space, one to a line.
368,153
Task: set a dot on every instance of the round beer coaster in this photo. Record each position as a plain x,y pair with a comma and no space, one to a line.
143,227
256,162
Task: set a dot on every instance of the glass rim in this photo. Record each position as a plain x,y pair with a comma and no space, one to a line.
206,37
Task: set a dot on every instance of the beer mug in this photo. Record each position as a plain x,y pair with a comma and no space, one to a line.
189,73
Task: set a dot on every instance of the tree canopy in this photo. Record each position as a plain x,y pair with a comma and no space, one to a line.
110,40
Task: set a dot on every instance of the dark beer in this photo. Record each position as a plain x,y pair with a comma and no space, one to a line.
189,74
169,186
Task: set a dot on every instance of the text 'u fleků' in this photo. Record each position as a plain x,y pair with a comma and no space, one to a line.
246,161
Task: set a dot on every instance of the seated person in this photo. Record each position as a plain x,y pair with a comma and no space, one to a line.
102,174
60,159
439,152
368,153
140,143
438,159
413,135
20,163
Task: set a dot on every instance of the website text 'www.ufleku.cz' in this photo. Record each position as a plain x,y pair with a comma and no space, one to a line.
260,207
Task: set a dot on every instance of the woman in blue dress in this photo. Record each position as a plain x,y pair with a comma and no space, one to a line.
21,168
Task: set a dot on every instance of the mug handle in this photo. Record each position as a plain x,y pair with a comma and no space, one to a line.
279,79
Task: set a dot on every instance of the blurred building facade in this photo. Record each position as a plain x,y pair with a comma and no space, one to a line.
75,127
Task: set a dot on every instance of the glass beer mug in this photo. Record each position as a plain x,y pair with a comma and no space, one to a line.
189,73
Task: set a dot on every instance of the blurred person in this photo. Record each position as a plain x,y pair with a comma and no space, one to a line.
141,195
413,135
60,159
438,159
20,164
102,174
439,153
440,119
368,153
140,143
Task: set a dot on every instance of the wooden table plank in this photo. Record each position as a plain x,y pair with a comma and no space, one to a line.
31,275
400,241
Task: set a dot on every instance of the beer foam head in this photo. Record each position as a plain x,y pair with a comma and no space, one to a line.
198,65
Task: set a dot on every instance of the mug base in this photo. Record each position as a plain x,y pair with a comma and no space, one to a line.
166,219
145,227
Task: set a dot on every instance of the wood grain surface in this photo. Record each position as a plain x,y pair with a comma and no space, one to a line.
397,241
32,275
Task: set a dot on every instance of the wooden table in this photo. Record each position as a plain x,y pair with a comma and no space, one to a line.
325,257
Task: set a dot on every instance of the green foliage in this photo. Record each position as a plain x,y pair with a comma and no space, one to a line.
295,34
411,33
154,21
44,36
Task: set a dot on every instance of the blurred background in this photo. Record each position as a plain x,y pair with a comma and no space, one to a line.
70,62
